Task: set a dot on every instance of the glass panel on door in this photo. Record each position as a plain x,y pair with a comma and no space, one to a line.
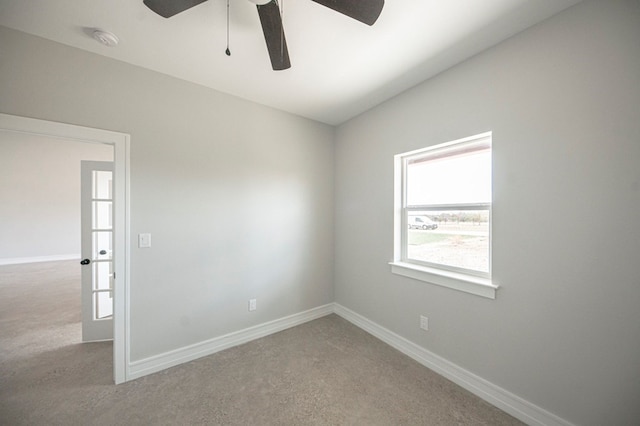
102,249
101,185
102,276
102,215
103,305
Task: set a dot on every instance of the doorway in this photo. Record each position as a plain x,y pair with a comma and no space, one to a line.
120,144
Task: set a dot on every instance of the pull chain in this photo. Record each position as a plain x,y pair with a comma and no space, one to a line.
228,52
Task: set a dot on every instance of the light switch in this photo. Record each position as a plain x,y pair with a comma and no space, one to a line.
144,240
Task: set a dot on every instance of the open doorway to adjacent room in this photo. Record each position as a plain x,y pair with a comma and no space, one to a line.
42,243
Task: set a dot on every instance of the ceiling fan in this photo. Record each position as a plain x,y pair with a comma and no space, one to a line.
365,11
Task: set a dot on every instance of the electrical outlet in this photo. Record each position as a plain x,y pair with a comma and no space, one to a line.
252,304
424,323
144,240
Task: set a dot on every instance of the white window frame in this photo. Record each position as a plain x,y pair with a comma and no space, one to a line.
474,282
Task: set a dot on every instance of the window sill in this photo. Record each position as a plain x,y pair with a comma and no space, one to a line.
466,283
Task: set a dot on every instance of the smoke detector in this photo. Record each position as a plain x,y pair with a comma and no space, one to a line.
105,37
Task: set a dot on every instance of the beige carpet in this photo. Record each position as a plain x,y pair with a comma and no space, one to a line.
326,372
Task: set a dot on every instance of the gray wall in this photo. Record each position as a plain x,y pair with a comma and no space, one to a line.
238,197
563,102
40,195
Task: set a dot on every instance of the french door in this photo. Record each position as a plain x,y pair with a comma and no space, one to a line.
97,250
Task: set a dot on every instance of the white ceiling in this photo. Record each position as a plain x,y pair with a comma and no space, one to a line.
339,66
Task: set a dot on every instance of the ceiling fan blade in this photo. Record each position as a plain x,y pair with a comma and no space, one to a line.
168,8
274,35
366,11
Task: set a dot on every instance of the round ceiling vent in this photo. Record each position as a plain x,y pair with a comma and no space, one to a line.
105,37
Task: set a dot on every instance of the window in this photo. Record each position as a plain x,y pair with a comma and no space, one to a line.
443,215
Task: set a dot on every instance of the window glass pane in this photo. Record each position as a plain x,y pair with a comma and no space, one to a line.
459,179
448,237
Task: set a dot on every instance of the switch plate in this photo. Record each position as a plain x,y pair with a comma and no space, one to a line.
144,240
424,323
252,304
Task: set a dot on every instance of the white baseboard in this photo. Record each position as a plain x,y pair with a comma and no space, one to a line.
519,408
169,359
55,258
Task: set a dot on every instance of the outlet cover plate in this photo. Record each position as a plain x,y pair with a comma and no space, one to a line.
424,323
144,240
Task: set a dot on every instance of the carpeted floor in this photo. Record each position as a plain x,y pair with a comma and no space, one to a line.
325,372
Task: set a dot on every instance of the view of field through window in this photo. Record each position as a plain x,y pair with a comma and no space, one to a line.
456,238
448,199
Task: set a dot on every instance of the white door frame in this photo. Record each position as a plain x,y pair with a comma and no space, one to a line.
120,143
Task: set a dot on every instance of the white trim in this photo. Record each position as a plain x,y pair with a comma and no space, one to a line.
34,259
457,281
120,143
519,408
122,311
189,353
478,283
471,140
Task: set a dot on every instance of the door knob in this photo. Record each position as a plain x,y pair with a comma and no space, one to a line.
85,262
103,252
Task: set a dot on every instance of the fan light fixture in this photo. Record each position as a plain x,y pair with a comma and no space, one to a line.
105,37
270,13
